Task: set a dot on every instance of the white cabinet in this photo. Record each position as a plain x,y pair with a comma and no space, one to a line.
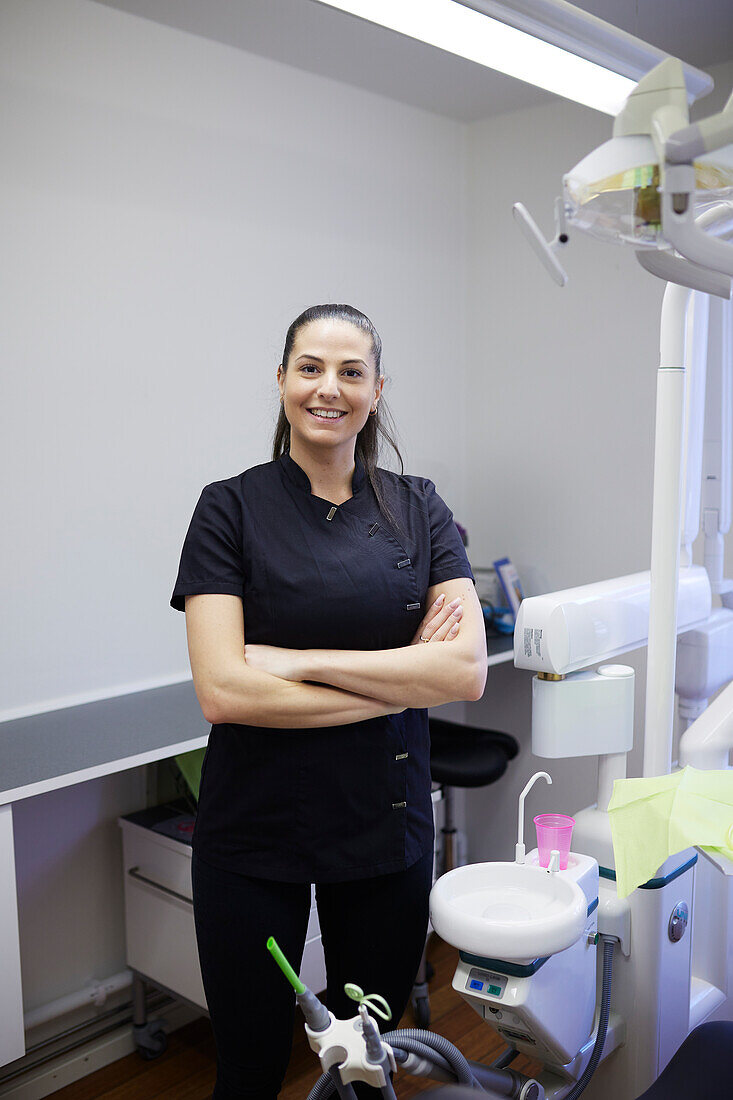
159,926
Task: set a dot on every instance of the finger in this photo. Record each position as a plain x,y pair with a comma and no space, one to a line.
431,612
435,621
427,625
441,631
444,630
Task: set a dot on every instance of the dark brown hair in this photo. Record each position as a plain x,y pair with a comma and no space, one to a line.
381,424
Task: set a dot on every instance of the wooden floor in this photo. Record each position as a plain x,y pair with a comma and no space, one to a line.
187,1069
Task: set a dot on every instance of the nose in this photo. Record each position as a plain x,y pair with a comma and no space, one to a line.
328,385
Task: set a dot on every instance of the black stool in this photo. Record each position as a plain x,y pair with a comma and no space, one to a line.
460,756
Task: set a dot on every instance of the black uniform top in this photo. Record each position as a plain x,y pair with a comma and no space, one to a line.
340,802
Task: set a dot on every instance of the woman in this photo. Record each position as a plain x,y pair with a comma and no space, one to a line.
309,584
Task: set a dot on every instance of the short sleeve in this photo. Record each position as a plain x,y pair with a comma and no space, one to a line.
212,555
448,558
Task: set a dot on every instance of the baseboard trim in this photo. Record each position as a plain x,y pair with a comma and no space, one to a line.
89,1057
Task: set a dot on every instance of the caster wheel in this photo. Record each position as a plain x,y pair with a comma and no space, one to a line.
153,1045
421,1012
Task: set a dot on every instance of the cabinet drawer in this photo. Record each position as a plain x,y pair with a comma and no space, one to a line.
161,939
160,858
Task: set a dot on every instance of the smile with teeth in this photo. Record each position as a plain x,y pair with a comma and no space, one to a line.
327,414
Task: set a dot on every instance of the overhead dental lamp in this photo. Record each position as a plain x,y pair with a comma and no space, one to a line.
657,185
657,173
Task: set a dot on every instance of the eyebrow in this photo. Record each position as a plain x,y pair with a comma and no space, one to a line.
344,362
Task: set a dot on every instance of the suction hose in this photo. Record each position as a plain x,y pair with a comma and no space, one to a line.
324,1086
488,1079
415,1040
426,1054
608,946
435,1048
505,1058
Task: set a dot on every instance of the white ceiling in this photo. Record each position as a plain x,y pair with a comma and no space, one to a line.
319,39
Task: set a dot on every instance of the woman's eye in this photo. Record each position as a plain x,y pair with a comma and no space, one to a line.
350,372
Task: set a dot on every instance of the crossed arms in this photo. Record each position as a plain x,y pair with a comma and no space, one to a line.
302,688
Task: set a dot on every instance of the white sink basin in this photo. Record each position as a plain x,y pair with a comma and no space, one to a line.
511,911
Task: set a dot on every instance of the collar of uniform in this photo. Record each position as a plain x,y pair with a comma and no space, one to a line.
299,477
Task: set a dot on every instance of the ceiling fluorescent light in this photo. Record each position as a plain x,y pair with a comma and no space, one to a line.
548,43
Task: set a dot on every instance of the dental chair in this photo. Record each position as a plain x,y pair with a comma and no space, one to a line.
702,1069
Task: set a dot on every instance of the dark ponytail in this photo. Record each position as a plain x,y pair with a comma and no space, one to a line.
379,425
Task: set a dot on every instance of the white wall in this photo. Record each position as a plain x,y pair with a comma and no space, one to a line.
169,205
561,386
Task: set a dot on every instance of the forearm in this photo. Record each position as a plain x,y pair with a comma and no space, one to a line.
412,676
254,698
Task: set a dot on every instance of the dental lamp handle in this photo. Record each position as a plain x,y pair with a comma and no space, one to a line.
702,137
519,851
544,250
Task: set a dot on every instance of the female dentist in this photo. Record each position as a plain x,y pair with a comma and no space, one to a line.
311,584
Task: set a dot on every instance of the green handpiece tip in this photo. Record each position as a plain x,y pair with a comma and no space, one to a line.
284,965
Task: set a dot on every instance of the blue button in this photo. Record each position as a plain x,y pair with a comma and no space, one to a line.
475,984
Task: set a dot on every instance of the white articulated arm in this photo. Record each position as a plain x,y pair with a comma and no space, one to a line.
706,744
673,269
716,472
677,146
695,358
680,229
701,137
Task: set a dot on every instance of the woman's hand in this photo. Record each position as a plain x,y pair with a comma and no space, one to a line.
285,663
441,622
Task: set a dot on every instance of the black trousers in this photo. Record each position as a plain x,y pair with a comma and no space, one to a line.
373,935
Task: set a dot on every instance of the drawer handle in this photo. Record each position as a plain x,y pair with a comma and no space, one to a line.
134,872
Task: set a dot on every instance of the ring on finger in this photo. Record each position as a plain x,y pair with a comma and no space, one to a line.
424,639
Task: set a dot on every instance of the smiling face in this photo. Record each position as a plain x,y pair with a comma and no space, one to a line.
330,385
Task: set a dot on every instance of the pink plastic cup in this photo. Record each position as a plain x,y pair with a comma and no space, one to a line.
554,831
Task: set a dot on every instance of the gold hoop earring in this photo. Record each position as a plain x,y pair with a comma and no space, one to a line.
373,412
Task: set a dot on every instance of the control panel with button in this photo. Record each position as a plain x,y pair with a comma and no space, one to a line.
483,981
